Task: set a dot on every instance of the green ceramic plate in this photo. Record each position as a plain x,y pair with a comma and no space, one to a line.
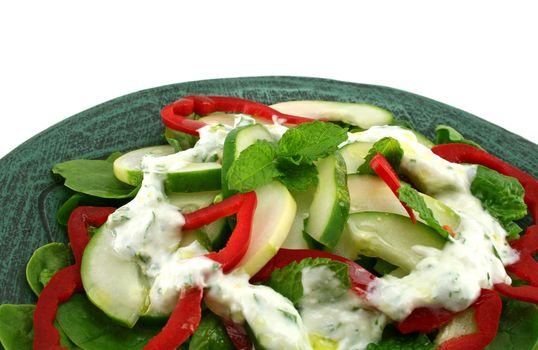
29,195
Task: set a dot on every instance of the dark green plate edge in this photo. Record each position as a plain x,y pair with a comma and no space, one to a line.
29,195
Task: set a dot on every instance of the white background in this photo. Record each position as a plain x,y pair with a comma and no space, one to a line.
58,58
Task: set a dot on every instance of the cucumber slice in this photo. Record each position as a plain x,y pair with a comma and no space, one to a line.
113,284
370,193
218,118
275,211
295,239
462,324
193,177
189,202
127,168
391,237
237,140
359,114
330,206
354,154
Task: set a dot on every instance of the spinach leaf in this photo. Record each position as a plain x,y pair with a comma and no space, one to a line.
179,140
447,134
288,280
93,177
78,199
17,329
518,329
393,340
210,334
16,326
502,196
89,328
45,262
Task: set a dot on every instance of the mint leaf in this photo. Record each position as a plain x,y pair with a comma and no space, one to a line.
288,280
254,167
447,134
389,148
308,142
502,196
393,340
412,198
298,178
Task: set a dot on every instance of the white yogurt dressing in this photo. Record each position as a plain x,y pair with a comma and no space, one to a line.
452,277
343,316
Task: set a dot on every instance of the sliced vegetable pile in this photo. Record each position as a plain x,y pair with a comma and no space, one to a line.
302,225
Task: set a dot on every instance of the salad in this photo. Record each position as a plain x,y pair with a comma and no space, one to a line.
302,225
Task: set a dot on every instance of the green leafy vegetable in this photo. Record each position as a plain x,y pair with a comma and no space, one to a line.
16,326
502,196
299,178
291,161
447,134
210,334
393,340
308,142
254,167
412,198
389,148
89,328
518,328
287,281
45,262
93,177
179,140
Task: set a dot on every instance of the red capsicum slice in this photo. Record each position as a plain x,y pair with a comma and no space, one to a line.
526,268
175,115
384,170
238,335
182,322
67,281
244,205
487,313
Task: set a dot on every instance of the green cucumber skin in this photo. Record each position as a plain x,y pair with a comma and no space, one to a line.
190,181
228,157
340,208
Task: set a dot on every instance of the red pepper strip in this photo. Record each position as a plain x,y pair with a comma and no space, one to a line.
487,315
425,320
527,245
67,281
236,247
238,335
526,268
60,288
78,224
384,170
182,322
174,115
360,277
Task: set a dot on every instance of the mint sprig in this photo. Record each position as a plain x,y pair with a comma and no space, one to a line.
389,148
414,200
290,160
